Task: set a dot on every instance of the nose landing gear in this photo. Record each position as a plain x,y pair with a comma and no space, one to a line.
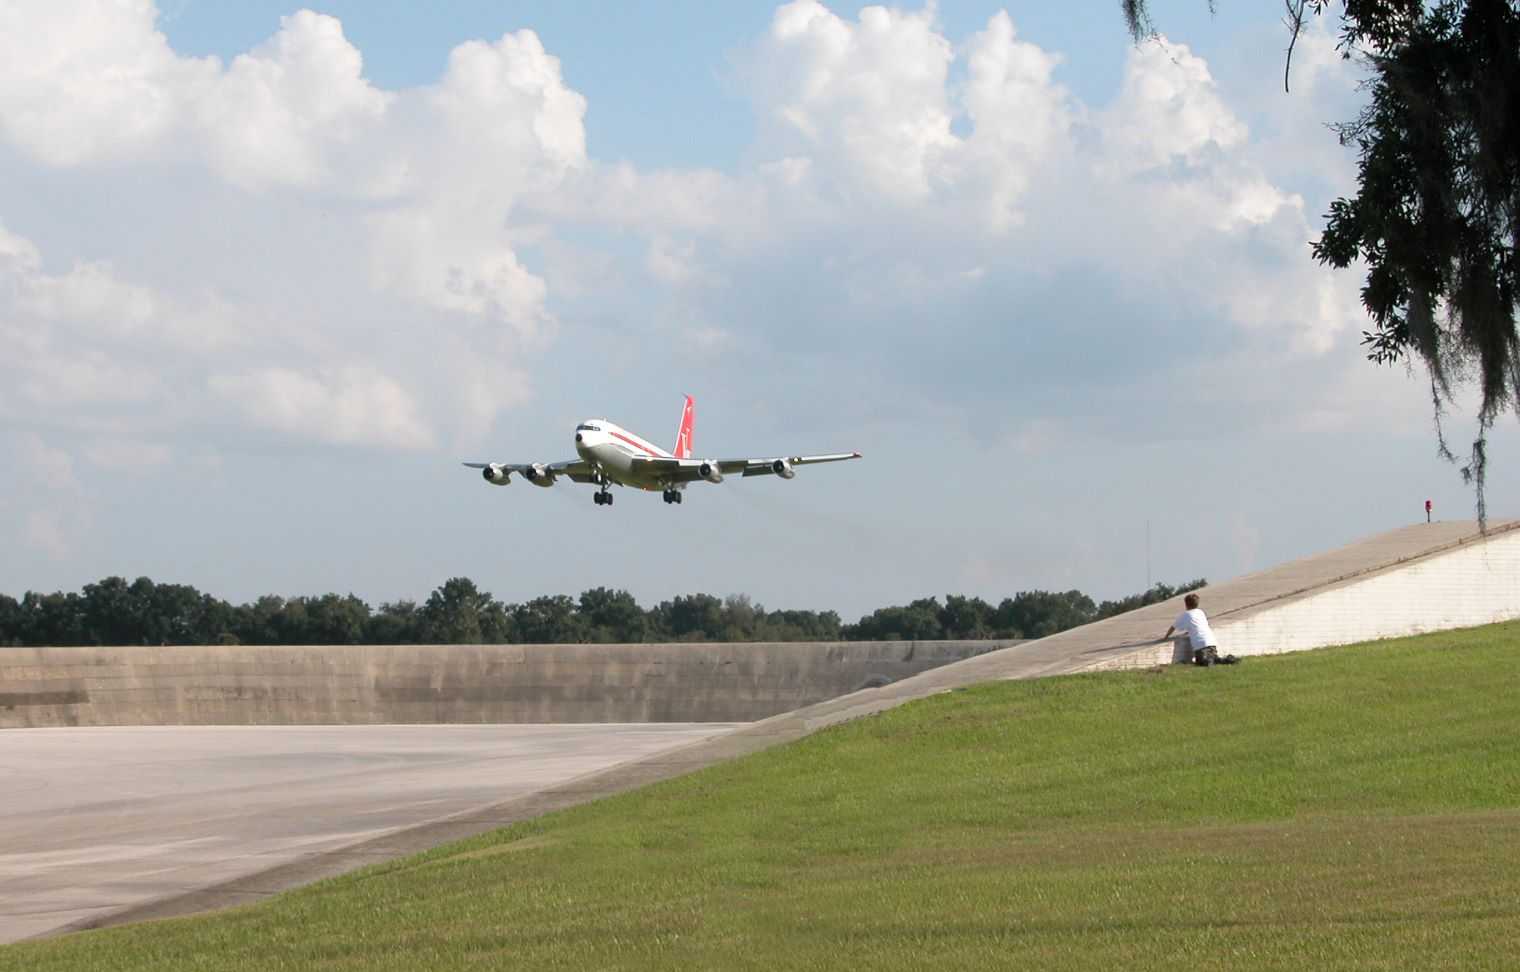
603,496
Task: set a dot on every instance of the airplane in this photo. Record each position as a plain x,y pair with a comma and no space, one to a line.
611,455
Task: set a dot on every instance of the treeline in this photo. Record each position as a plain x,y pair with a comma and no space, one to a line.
115,612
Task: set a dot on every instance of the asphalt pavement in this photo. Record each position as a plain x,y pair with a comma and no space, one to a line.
96,821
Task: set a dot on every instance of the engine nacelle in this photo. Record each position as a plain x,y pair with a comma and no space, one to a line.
496,475
709,471
783,469
539,475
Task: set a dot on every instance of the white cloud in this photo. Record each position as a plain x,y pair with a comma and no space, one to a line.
84,80
94,80
456,261
501,126
50,469
1033,437
423,185
43,505
671,261
1021,118
91,353
867,99
129,456
709,340
18,254
278,113
356,406
508,102
1168,112
88,298
64,335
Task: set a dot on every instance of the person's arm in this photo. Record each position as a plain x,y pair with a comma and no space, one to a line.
1169,629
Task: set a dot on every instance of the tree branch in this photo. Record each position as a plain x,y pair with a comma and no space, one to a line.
1295,25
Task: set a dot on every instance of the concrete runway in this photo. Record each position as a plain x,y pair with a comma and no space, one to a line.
94,820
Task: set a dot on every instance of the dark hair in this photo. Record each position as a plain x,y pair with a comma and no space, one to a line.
1191,601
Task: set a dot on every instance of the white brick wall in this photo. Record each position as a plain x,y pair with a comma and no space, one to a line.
1478,583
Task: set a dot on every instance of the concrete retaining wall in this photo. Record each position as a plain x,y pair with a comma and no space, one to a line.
442,684
1472,581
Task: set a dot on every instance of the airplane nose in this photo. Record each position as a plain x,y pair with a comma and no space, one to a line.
577,437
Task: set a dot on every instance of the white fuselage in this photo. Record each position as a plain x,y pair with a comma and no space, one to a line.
611,449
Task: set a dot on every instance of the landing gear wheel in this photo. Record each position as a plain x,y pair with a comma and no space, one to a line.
602,498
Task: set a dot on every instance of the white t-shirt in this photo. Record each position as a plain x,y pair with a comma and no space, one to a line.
1197,628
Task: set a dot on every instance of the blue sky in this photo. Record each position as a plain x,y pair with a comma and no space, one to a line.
267,274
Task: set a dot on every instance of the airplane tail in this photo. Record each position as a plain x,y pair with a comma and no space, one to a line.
683,437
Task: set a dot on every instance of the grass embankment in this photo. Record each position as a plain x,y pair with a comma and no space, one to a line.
1349,808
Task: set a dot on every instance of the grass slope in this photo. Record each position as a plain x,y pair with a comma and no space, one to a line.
1347,808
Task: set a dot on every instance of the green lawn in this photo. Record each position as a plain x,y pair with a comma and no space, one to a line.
1347,808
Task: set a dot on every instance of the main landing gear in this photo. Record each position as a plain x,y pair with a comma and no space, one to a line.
673,496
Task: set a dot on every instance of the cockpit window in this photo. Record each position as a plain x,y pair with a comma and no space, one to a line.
588,428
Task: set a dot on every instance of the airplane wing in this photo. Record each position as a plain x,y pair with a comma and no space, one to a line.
537,473
690,470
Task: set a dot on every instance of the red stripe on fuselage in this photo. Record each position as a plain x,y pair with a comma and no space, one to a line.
648,449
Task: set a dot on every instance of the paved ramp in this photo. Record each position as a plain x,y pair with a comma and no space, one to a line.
97,821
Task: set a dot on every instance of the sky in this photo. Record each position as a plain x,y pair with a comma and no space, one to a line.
269,274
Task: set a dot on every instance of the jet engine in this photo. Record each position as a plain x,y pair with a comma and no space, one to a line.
709,471
539,475
496,475
783,469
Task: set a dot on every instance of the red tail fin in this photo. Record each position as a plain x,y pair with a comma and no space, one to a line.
683,437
